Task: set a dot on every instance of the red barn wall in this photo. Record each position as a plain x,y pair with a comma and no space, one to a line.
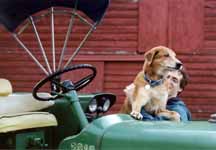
116,48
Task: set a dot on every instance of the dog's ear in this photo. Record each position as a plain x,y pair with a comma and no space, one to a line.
149,56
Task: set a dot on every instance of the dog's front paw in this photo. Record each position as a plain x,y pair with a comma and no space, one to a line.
136,115
177,117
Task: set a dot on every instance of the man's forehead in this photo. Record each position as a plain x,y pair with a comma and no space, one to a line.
177,74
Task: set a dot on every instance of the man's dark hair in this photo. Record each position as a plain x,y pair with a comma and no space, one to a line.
185,78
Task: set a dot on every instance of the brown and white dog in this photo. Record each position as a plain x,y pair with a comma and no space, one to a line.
149,89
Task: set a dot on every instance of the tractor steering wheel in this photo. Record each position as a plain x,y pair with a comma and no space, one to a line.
75,86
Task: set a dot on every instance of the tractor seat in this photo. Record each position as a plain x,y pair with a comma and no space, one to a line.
27,120
22,102
5,87
16,110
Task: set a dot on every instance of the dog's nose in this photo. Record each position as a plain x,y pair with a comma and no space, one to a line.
178,66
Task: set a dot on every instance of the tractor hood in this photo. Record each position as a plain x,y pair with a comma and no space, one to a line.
165,135
121,132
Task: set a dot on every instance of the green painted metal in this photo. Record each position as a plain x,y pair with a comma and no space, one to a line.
121,132
68,123
30,140
77,109
160,135
112,132
90,137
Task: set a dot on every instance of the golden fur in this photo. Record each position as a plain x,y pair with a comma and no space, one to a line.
158,61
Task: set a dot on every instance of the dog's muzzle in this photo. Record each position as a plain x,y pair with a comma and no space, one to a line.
178,66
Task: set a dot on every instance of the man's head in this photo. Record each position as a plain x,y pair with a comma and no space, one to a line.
176,80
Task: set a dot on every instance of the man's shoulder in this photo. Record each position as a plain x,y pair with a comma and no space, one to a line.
175,101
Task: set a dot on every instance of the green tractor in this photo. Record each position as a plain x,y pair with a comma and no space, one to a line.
60,118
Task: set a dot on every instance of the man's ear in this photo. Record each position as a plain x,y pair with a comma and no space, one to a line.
180,90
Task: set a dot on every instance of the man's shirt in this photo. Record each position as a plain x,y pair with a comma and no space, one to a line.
173,104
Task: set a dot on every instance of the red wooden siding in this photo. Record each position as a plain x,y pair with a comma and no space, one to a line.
153,24
118,32
185,25
174,23
116,48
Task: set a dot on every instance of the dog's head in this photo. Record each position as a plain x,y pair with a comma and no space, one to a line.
161,59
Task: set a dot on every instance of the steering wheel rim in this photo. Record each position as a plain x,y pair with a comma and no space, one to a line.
77,85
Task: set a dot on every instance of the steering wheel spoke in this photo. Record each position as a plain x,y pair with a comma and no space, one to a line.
79,84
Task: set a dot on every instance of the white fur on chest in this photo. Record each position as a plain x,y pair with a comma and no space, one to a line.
154,98
157,98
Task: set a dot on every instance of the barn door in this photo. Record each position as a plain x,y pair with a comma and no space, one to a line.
174,23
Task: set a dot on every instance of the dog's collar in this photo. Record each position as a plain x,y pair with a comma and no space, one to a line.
153,83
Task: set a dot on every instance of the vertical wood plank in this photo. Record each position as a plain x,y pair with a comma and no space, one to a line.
153,19
186,24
